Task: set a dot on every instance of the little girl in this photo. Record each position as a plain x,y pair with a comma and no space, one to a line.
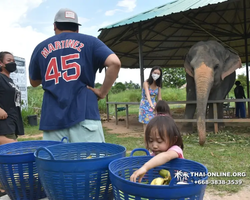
162,108
163,138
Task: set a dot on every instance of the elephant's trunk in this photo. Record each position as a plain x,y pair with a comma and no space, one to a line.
203,80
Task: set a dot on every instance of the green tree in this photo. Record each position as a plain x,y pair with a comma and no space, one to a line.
118,87
98,85
128,85
173,77
131,85
137,86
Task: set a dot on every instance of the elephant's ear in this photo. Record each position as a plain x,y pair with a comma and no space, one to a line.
188,67
232,62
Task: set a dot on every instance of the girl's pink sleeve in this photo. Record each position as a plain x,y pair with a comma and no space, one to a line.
178,150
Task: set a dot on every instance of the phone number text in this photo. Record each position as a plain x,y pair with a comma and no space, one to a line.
219,182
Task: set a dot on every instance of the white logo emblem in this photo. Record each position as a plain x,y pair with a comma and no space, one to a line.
181,176
69,14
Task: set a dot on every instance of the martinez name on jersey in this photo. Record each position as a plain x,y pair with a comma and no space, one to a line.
74,44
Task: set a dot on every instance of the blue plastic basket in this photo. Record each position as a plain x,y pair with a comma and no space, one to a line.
67,174
18,172
121,169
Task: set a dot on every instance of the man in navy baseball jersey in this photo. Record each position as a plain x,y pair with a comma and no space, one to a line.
65,65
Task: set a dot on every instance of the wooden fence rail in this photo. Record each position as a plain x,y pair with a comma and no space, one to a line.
215,119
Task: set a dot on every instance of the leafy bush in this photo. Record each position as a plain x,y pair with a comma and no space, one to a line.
134,96
171,94
168,94
98,85
126,96
118,87
102,105
35,97
25,113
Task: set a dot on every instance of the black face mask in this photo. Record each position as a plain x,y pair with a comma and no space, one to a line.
10,67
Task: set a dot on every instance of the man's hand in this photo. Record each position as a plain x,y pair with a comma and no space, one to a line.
98,92
3,114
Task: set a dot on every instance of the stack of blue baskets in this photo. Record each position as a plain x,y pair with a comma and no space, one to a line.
121,169
18,172
77,171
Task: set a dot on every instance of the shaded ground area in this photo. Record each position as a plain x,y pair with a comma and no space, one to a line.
136,130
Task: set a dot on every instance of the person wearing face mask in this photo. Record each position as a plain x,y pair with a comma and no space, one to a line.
151,89
11,124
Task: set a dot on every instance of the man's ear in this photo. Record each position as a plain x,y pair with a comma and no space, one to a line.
54,27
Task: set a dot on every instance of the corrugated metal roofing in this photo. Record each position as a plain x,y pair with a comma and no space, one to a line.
166,9
166,38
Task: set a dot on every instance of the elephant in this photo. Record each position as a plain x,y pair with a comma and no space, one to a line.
210,75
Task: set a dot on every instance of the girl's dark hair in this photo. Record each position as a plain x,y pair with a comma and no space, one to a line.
2,54
167,129
66,26
162,108
150,80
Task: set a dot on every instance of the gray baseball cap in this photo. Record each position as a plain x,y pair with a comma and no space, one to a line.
66,15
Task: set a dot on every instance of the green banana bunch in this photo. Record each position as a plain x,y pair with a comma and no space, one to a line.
164,179
166,176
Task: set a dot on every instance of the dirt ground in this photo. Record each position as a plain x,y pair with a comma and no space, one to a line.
136,130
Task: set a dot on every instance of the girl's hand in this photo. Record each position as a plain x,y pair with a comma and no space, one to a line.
138,173
3,114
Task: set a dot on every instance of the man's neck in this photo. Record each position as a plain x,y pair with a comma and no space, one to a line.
64,31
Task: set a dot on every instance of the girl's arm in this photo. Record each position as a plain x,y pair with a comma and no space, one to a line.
156,161
159,94
145,86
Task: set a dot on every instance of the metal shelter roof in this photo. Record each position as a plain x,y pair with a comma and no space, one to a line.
162,36
172,7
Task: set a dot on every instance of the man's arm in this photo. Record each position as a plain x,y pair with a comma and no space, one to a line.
35,83
113,63
243,93
34,69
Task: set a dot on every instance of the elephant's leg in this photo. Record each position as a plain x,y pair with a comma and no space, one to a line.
190,108
218,94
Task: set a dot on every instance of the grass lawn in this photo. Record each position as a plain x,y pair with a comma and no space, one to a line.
223,152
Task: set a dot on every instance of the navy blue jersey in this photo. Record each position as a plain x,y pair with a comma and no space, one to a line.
66,63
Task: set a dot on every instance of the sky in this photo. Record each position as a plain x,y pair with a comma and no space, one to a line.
26,23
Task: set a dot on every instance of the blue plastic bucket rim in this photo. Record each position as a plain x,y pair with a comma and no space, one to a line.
148,185
23,142
75,143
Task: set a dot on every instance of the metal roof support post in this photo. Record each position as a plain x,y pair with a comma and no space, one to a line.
107,100
246,53
140,55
